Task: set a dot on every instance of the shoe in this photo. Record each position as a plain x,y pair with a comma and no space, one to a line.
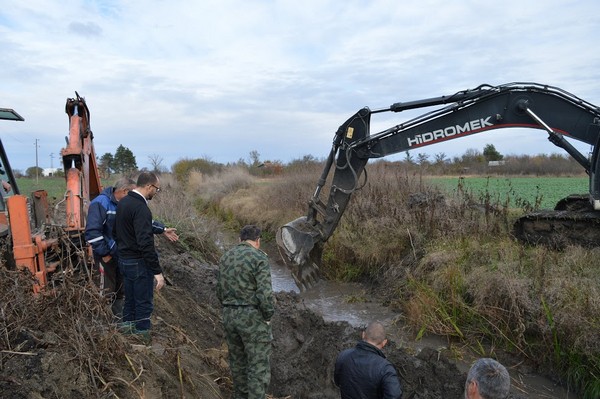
126,327
143,336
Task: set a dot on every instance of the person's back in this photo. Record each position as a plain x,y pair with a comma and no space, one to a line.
245,291
100,223
363,372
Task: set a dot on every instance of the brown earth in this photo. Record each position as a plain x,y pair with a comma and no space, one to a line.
68,348
305,346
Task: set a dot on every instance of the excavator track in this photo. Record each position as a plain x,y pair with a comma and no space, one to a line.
559,229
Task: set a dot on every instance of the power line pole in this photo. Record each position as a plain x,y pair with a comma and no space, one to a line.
36,162
51,160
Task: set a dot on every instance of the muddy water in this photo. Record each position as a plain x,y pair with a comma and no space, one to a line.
349,302
334,301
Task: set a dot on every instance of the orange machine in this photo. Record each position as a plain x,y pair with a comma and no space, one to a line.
35,242
79,162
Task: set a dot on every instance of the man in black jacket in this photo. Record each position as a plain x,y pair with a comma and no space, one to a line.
138,259
363,372
99,234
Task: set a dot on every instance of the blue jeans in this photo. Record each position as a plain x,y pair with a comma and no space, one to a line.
138,284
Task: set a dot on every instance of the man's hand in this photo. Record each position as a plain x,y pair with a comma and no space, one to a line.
170,233
106,258
160,281
6,186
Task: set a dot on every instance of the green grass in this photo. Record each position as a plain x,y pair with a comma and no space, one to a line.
55,186
546,191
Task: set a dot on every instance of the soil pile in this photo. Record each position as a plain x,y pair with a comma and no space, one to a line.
64,345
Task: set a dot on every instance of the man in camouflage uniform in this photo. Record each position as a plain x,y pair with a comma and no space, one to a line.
244,289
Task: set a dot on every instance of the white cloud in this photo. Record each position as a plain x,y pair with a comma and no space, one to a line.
223,78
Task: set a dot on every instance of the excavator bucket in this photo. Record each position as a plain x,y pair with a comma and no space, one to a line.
302,250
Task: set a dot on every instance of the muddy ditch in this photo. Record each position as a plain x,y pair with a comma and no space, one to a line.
66,354
305,345
309,331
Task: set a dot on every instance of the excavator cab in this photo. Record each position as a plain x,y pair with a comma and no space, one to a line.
8,184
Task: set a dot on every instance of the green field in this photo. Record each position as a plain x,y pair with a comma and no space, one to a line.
546,190
55,186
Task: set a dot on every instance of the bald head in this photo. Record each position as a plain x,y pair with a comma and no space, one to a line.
375,334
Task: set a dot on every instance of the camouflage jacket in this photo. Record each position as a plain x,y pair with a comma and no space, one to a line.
245,279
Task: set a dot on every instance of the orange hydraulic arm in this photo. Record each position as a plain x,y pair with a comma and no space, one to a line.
79,162
28,249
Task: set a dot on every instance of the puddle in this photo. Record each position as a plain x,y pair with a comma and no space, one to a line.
334,301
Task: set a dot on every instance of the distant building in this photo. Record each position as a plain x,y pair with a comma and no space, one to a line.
496,163
47,172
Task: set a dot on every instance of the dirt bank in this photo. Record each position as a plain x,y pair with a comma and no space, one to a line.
305,346
72,351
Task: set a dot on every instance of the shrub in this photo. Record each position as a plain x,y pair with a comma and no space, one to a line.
182,168
176,209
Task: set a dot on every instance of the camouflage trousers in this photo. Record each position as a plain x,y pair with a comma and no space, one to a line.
249,342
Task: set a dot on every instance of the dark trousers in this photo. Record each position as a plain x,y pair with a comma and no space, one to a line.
138,284
111,284
112,281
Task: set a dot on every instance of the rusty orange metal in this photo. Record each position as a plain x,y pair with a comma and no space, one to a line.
79,161
27,224
28,249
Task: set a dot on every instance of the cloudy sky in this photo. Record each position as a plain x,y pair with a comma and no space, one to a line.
218,79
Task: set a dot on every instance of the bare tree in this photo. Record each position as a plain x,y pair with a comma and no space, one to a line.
440,158
422,159
254,158
156,162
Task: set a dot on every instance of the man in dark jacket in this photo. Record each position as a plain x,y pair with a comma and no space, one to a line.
363,372
138,259
99,234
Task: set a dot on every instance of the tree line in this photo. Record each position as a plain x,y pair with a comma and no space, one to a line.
473,161
122,162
